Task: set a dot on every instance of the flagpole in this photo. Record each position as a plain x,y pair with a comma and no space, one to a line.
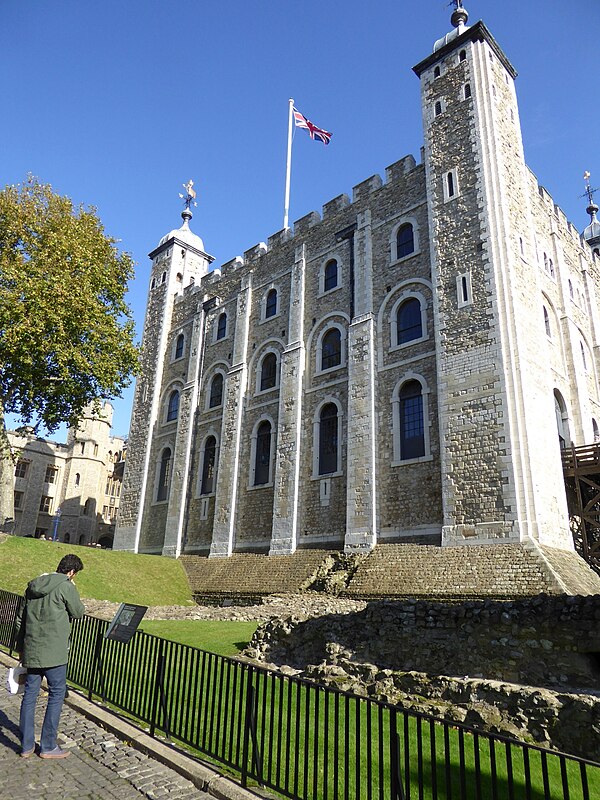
288,168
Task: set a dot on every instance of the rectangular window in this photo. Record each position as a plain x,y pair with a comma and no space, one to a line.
19,500
464,291
51,473
450,185
46,504
21,469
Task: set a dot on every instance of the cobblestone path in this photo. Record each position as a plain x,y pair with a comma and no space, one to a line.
100,766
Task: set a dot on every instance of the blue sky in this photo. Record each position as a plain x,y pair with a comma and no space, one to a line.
116,104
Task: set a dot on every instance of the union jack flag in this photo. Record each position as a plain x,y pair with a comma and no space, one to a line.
315,133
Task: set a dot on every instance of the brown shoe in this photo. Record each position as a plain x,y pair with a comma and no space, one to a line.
56,753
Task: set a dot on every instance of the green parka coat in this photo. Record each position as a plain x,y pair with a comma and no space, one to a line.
44,620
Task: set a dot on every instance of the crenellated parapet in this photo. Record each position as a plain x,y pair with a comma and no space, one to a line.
395,175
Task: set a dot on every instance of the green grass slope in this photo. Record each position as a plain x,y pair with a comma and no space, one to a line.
108,574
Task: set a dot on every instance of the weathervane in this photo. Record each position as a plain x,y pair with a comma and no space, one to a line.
459,15
589,192
189,198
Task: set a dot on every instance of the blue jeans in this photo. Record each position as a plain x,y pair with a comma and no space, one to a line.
56,678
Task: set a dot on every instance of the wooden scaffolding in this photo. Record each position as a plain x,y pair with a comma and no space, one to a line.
581,467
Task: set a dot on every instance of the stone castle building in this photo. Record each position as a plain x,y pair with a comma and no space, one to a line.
70,491
403,367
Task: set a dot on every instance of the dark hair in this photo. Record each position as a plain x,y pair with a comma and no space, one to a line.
67,563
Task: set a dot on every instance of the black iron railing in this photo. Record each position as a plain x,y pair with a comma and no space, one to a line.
303,740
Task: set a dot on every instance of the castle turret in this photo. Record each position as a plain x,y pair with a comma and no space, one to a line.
178,263
500,459
591,234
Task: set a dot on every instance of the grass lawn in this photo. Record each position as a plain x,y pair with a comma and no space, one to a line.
226,638
108,574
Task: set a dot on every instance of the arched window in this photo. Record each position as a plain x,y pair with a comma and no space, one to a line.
331,349
571,295
330,276
450,188
405,240
271,303
438,108
207,485
562,420
262,455
222,326
412,430
215,398
547,322
409,322
164,475
467,91
328,439
77,478
179,346
173,407
583,358
268,372
437,72
462,55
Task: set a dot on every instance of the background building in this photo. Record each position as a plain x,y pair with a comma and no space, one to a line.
69,491
404,367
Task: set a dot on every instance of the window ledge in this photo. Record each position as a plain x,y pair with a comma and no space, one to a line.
327,292
404,345
269,319
261,486
329,370
395,261
337,474
407,461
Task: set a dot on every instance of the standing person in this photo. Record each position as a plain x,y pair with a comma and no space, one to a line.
44,627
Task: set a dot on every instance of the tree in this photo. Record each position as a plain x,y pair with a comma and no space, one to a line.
66,332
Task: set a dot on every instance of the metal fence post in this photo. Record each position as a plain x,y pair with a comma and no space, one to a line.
396,788
159,692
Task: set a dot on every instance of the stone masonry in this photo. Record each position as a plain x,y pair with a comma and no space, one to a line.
402,367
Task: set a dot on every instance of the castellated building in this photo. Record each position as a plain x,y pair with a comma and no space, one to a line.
69,492
402,368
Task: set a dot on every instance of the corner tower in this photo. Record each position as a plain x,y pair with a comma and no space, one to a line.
500,455
179,261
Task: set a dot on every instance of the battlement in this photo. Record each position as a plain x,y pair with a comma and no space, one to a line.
553,208
395,173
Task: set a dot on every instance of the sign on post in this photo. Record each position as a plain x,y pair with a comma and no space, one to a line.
125,622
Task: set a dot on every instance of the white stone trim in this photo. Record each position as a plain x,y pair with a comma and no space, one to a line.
263,303
407,295
446,180
343,349
464,289
340,274
201,455
397,460
316,430
175,357
214,370
263,418
404,220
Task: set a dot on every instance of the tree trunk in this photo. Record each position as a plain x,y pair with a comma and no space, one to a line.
7,470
